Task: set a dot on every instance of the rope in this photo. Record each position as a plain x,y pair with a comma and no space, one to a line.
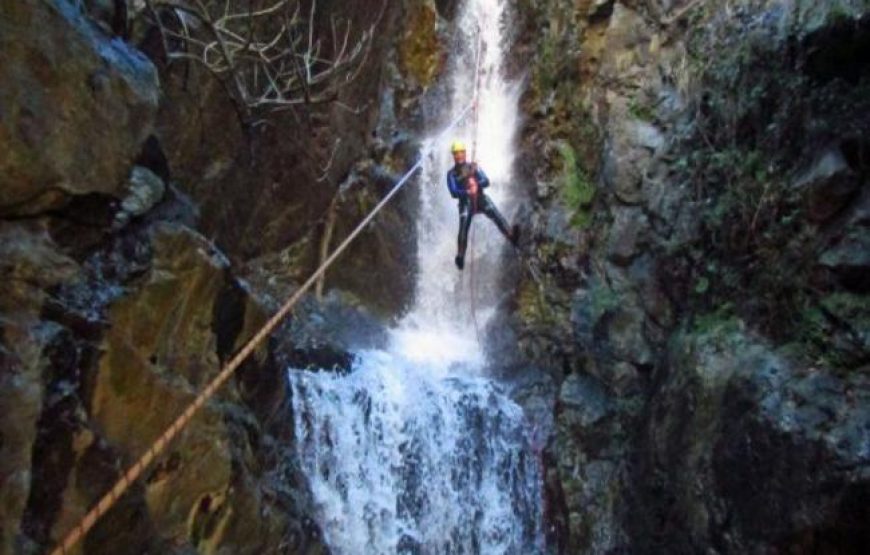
472,281
476,120
477,78
135,471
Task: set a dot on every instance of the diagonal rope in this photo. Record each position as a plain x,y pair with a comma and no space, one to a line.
135,471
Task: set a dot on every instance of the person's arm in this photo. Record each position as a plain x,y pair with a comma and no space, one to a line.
455,190
482,179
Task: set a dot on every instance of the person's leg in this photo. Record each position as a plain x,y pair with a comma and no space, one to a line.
464,225
488,207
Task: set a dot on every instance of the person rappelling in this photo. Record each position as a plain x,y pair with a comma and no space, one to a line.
466,182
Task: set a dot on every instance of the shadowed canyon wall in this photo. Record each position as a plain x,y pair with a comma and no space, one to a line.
699,182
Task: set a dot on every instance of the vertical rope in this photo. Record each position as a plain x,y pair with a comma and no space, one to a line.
472,282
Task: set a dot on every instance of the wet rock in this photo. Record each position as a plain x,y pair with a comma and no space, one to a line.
167,336
830,184
849,258
627,235
21,398
74,110
623,330
111,15
30,263
447,8
585,398
600,9
750,434
850,313
97,358
160,349
587,464
143,191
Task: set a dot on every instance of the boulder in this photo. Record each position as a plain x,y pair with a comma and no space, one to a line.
75,106
143,191
626,158
583,400
30,263
623,334
849,259
588,453
752,451
630,225
829,184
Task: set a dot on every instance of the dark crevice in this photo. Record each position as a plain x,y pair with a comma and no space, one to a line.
53,456
857,154
602,13
228,317
840,51
153,158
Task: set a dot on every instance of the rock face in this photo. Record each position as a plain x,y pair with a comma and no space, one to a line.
76,107
117,191
267,191
749,452
699,290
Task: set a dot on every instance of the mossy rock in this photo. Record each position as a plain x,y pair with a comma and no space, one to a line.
578,192
420,52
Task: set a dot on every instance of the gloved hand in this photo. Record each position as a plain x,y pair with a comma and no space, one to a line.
472,186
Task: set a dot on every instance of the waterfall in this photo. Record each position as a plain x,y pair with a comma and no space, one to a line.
417,451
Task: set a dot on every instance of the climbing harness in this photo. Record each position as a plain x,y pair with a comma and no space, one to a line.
156,449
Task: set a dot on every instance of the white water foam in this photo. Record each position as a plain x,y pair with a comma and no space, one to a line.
416,451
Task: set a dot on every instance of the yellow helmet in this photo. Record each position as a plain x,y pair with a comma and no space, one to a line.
457,146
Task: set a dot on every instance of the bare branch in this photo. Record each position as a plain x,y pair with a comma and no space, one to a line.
266,53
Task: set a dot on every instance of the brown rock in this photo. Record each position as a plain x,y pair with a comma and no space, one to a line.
158,353
21,393
830,183
626,235
74,106
420,51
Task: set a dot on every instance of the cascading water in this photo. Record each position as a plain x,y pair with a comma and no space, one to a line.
416,450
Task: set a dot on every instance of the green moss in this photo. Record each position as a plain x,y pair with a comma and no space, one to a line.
603,299
578,192
842,315
536,309
720,322
546,65
839,13
641,111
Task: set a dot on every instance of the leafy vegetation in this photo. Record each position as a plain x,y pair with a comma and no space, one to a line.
640,110
759,119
